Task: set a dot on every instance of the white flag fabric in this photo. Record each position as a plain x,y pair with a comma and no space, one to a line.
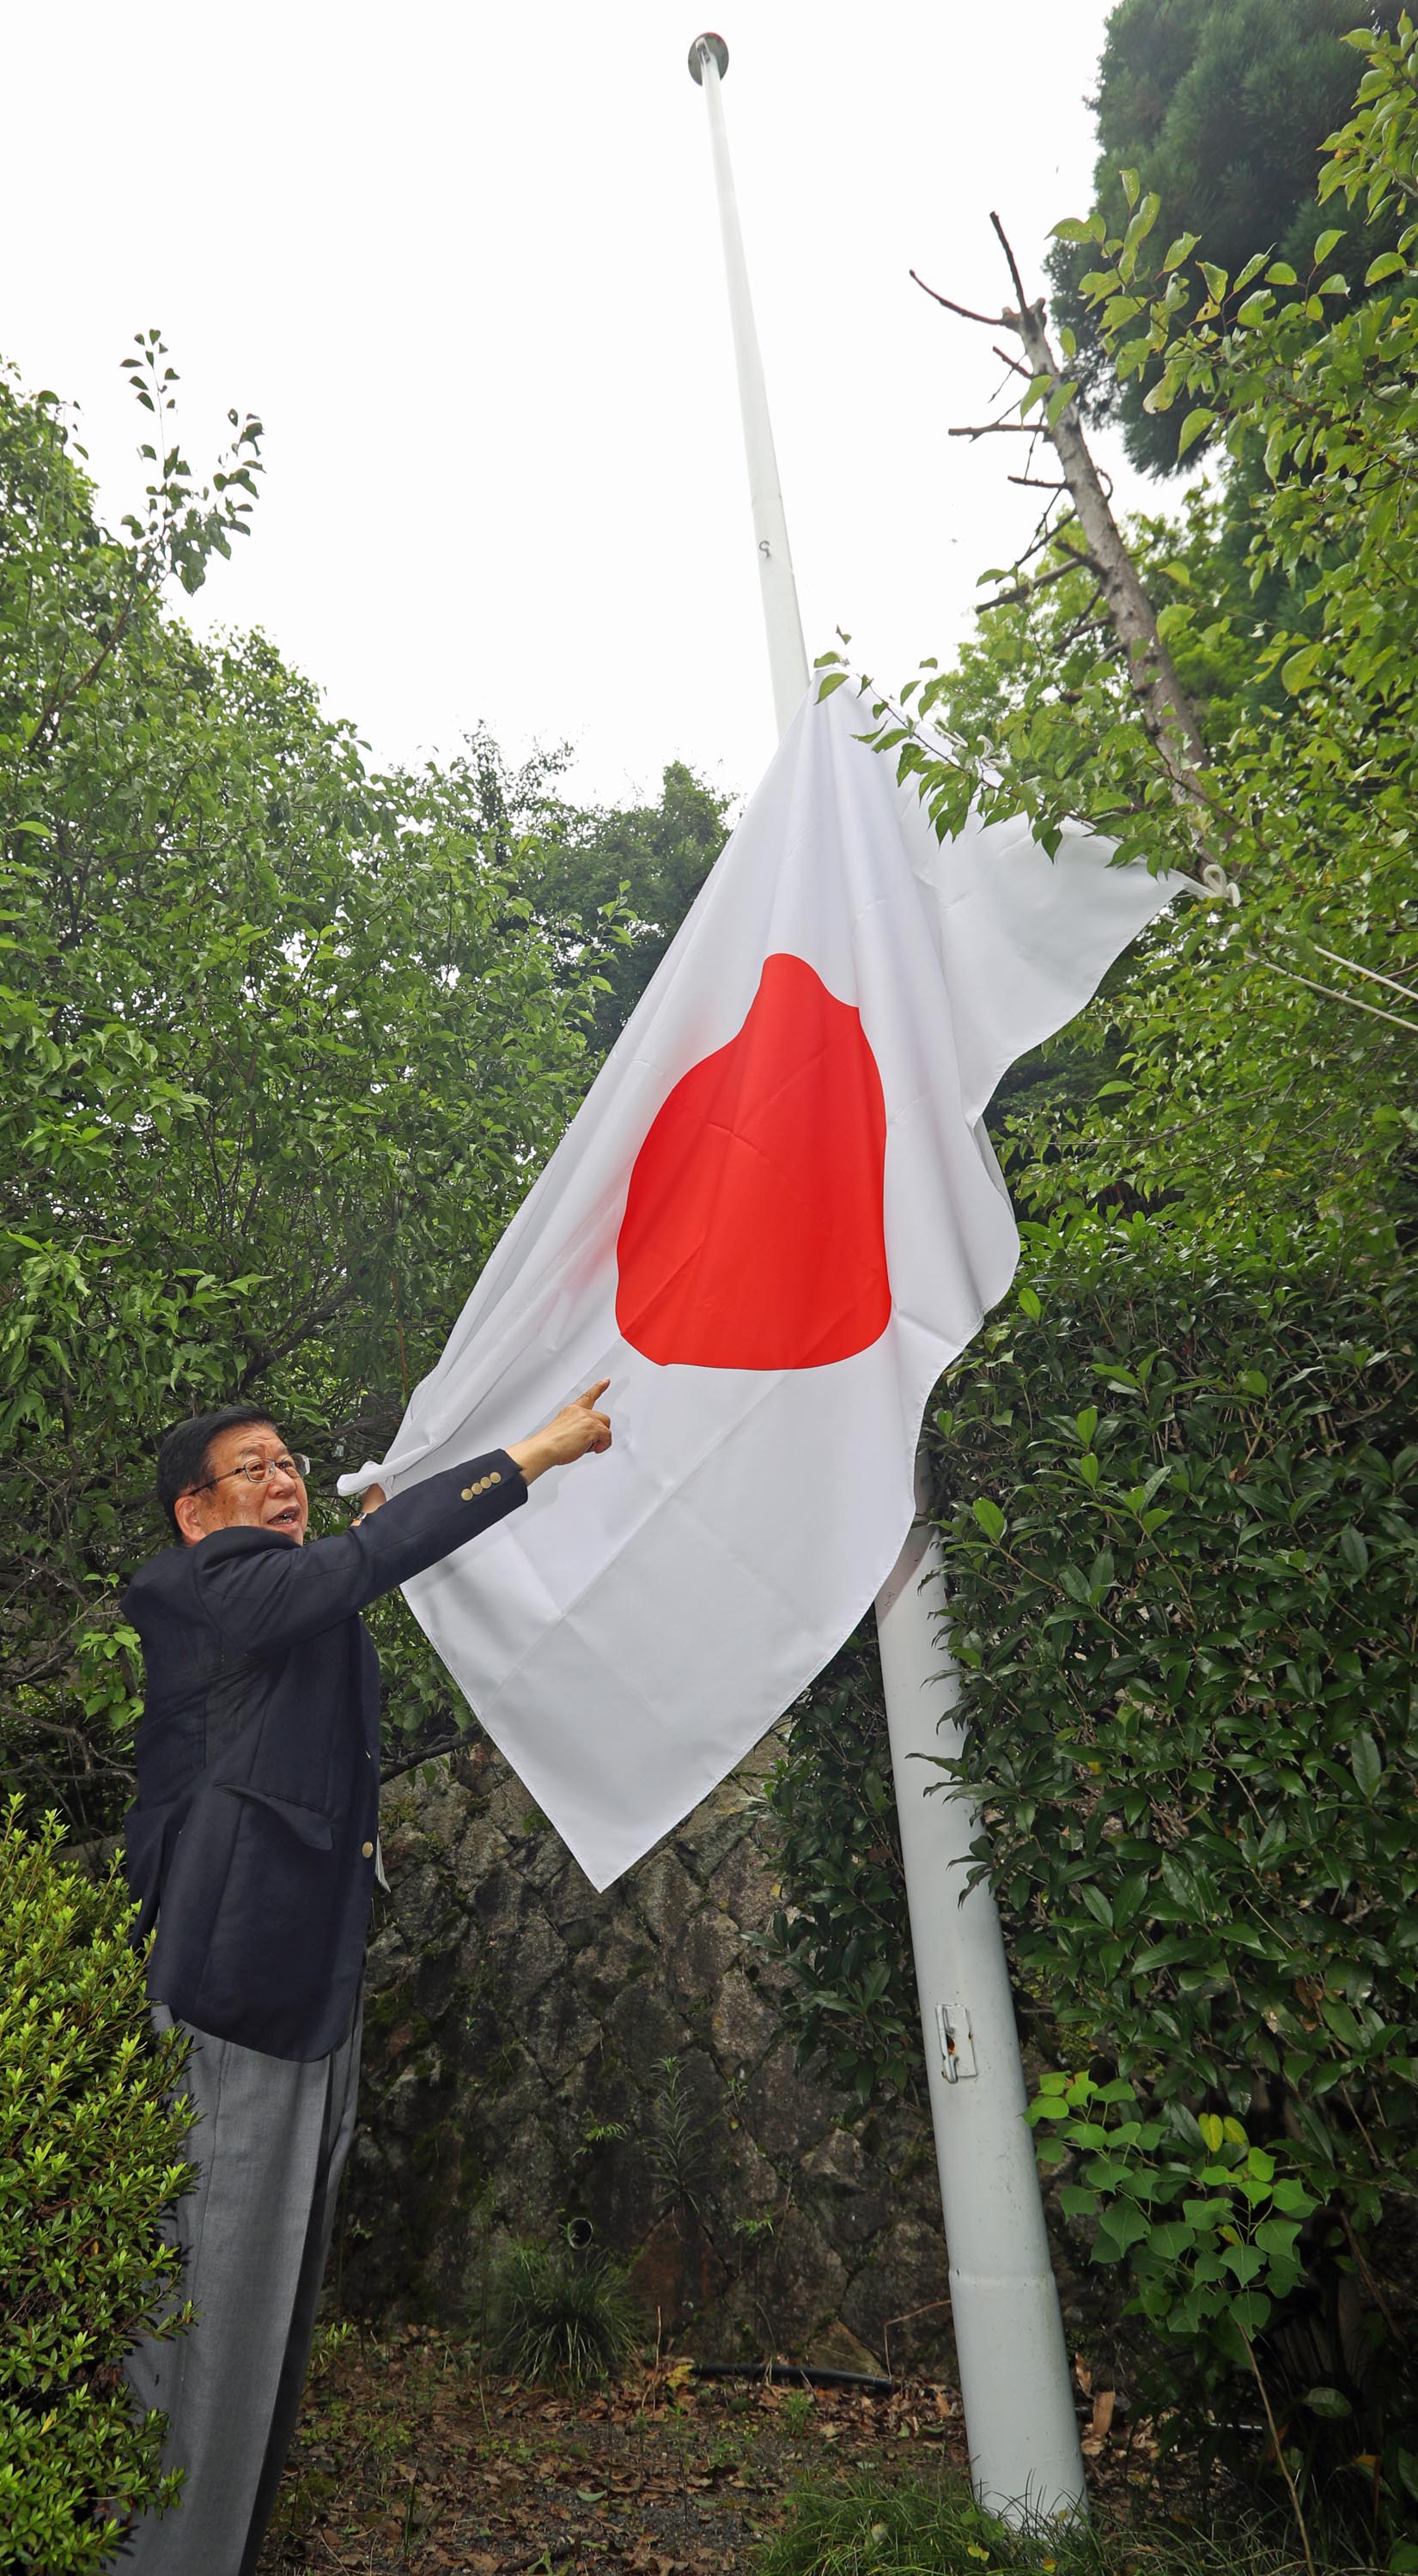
773,1223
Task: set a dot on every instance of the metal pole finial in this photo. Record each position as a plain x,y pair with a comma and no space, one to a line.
708,44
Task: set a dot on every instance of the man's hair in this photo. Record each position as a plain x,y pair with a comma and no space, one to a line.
184,1450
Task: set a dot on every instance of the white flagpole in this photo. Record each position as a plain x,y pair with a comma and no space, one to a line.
787,654
1014,2375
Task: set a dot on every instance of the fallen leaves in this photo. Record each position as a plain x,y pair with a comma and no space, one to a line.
408,2463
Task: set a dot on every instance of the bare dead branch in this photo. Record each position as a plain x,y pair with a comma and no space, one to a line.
1013,264
1012,363
1036,483
1350,1000
991,321
992,428
1025,589
1371,972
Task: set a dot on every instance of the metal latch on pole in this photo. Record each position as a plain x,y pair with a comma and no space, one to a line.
957,2042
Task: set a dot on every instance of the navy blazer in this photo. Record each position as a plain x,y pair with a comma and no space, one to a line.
251,1841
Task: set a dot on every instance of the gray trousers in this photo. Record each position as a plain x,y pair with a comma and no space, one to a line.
269,2145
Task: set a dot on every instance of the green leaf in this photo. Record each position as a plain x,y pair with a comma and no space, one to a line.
1366,1764
1390,263
1300,667
1324,244
1352,1550
1329,2403
1195,425
989,1516
1121,2224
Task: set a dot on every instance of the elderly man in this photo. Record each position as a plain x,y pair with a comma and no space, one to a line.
252,1847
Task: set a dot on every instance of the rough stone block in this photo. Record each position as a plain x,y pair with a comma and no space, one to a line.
807,2279
850,2191
743,2023
786,2112
751,2186
663,1894
696,1964
898,2300
481,1848
745,1886
531,2186
645,2027
559,2028
611,1961
424,1904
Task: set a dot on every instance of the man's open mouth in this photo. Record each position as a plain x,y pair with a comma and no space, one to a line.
288,1519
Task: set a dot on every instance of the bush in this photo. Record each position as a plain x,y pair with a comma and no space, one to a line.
555,2314
91,2152
1185,1570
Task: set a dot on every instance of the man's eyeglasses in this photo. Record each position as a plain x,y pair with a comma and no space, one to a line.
256,1471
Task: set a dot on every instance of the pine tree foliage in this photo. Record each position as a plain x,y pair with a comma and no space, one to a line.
1221,107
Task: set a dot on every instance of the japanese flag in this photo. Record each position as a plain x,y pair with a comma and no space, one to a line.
774,1222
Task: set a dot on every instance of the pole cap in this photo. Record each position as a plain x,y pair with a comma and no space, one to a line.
710,44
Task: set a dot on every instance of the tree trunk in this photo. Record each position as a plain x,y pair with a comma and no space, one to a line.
1167,711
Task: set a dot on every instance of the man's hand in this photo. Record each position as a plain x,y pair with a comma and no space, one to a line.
572,1433
369,1501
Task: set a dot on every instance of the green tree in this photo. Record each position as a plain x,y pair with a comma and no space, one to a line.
282,1047
1221,107
637,869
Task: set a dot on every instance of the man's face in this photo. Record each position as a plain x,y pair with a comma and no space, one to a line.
277,1502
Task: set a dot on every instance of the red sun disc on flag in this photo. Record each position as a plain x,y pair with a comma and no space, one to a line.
753,1234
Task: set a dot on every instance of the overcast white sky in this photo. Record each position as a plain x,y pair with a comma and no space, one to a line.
464,262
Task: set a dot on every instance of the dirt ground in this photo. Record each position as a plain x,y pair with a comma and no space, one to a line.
407,2459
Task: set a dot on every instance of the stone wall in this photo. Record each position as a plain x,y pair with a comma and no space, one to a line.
536,2053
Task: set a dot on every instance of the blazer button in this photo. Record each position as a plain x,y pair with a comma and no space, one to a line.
496,1477
368,1850
468,1493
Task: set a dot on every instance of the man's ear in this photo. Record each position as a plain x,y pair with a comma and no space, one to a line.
190,1517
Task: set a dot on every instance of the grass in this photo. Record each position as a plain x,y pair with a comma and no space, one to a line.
864,2525
560,2316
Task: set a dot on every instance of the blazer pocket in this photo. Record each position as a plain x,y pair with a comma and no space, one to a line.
306,1823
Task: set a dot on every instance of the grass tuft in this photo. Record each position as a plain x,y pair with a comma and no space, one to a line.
557,2315
864,2525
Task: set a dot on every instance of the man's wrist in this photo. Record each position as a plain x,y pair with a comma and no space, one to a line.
532,1456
